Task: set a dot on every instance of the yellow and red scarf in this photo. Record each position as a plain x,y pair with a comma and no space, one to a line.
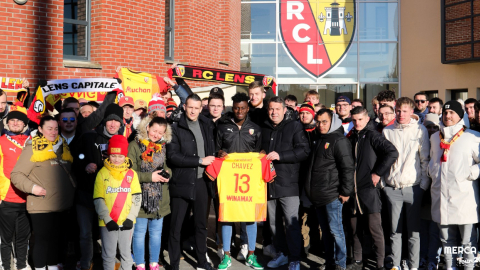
446,145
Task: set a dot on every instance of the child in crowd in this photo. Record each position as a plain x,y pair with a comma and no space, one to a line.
117,197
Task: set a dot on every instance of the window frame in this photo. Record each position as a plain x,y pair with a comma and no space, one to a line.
85,23
171,30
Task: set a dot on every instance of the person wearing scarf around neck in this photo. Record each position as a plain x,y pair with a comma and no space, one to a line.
43,173
148,155
454,168
117,197
13,213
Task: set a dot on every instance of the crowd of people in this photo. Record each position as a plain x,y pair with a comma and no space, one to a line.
120,170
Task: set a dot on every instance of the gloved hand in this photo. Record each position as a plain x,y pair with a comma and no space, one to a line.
127,225
112,226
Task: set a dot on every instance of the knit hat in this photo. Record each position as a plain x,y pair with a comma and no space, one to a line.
140,104
217,90
308,107
343,99
454,106
118,145
431,119
18,112
126,101
171,105
156,104
114,112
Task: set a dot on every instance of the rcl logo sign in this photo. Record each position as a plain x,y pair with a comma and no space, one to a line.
317,34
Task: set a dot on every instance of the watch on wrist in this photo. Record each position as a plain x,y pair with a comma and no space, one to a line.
200,161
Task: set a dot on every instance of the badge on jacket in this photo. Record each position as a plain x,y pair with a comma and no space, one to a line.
251,131
327,145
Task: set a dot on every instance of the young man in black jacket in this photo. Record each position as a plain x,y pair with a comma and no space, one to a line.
236,133
87,161
287,146
373,155
329,184
192,149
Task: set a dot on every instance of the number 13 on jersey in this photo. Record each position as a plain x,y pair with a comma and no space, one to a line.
242,186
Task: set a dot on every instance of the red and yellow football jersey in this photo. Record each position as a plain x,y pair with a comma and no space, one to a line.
139,85
242,186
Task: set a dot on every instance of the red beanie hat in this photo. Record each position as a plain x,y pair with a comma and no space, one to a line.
118,145
308,107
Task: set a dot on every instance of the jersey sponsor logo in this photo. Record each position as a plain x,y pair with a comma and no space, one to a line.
233,198
317,34
118,190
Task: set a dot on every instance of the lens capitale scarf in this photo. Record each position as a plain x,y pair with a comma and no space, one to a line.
153,158
44,149
118,171
446,145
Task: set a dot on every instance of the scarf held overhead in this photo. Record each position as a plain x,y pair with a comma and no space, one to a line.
220,75
57,87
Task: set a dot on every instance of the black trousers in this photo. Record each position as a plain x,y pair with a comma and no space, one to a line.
48,229
14,222
199,208
374,223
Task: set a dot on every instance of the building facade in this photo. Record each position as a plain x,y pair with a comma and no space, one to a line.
61,39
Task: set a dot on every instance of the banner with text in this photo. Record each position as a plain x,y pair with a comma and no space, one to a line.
12,84
73,86
221,76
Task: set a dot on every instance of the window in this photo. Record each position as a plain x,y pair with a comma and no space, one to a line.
169,33
76,29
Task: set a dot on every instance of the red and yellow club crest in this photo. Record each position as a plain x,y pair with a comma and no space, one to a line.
317,33
180,70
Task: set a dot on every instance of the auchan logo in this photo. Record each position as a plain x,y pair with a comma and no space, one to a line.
317,33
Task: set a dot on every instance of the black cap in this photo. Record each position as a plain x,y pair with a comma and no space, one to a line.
217,90
454,106
114,112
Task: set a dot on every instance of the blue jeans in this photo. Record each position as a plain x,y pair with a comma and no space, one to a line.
430,244
87,218
154,241
330,220
251,228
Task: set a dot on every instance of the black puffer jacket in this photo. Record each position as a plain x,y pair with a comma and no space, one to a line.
183,158
331,167
258,116
233,140
289,141
91,148
374,154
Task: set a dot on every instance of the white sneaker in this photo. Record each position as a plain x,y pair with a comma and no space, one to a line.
208,258
294,265
278,261
220,253
242,255
269,251
404,265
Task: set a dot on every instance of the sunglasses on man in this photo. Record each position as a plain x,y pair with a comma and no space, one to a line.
420,101
65,119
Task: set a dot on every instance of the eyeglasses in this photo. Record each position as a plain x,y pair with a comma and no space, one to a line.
420,101
385,114
65,119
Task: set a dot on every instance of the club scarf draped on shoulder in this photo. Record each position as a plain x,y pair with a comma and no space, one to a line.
43,149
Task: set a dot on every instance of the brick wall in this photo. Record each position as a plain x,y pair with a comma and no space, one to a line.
459,23
123,33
